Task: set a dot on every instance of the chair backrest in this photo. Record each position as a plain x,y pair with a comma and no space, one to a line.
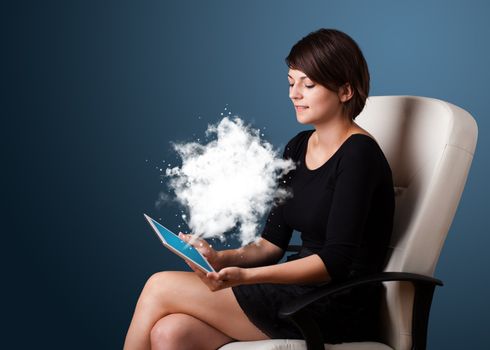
429,145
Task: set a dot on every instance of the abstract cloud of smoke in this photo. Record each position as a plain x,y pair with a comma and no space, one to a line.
230,182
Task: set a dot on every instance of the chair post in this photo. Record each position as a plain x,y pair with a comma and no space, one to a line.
309,329
421,308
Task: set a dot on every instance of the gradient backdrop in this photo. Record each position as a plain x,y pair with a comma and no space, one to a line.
94,91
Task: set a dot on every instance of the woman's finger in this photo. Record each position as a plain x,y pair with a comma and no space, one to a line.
196,269
183,236
192,240
223,275
211,279
213,276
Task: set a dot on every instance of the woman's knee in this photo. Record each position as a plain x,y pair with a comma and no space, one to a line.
160,288
160,280
170,332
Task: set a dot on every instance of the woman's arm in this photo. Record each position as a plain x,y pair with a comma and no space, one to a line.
254,254
258,253
310,269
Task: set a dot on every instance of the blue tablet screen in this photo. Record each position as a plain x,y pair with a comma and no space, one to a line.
175,242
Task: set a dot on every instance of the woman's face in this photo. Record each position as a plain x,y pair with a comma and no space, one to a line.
314,103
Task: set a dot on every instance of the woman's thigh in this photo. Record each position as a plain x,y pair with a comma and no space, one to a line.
184,292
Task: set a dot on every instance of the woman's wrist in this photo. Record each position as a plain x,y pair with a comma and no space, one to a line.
249,275
220,260
225,258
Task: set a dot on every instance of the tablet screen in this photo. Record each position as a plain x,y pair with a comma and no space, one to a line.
179,246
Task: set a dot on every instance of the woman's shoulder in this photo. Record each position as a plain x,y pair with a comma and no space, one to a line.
361,148
361,144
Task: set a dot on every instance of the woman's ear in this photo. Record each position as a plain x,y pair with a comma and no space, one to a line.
345,93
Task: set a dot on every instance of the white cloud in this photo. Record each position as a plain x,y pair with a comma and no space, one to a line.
228,182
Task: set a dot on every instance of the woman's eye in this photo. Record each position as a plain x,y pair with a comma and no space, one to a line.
307,86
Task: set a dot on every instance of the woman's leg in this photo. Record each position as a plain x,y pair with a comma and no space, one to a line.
184,332
168,293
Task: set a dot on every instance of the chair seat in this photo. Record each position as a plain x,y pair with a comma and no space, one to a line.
295,344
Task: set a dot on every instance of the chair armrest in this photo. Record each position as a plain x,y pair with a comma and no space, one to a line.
424,289
297,304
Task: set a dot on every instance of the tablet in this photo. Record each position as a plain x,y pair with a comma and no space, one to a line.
178,246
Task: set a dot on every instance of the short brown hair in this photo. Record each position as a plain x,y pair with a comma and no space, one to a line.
331,58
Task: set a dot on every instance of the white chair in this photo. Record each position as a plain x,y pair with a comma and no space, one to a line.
429,144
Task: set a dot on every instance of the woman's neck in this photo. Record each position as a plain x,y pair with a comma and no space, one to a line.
329,136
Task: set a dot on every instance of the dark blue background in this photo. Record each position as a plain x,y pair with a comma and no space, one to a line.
93,92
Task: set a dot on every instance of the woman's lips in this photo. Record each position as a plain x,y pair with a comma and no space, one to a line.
300,108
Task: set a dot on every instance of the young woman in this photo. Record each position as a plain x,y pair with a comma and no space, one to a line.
342,203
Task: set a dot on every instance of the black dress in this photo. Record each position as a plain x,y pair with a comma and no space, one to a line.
344,211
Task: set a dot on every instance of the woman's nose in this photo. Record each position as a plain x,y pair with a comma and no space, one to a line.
294,93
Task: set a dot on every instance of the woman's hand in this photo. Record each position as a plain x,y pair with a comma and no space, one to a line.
229,277
225,278
211,255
